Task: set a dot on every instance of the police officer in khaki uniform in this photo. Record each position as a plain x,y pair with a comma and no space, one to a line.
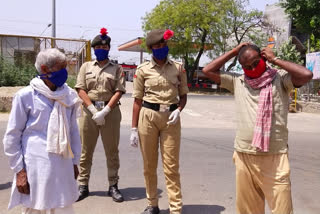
160,93
100,84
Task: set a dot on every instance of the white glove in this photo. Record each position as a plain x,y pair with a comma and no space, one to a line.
174,117
134,137
99,116
92,109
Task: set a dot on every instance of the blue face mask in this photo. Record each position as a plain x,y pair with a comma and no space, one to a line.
160,53
101,54
58,78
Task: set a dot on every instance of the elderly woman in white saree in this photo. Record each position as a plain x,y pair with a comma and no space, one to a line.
42,140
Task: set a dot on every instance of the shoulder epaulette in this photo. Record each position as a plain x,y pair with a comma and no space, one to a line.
179,63
143,64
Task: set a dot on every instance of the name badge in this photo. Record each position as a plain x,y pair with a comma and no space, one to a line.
99,104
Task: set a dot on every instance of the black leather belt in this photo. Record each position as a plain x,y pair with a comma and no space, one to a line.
159,107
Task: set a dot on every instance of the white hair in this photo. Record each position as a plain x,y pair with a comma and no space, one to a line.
49,57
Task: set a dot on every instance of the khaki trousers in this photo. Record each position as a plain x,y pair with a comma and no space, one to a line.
154,132
260,178
110,135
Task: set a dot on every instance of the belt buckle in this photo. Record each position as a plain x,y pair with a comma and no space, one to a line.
164,108
99,104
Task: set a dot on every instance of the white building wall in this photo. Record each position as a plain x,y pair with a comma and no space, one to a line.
277,17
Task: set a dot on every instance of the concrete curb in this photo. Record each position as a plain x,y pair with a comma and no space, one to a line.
5,104
309,107
6,97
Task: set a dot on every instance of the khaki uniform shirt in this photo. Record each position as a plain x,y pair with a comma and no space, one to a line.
101,83
247,100
160,85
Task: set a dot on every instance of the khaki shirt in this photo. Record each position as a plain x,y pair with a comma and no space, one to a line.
247,100
101,83
160,85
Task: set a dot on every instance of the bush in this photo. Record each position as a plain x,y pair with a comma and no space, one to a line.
71,81
288,51
13,75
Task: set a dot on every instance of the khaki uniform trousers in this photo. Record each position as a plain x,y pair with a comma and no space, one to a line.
110,135
152,128
260,177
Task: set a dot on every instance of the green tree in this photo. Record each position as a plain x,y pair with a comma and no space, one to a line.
240,25
195,23
198,24
306,17
314,43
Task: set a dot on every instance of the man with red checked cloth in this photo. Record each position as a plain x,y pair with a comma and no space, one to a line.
261,143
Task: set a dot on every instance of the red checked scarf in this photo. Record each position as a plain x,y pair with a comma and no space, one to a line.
261,137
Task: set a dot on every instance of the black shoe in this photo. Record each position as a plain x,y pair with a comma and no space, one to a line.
115,193
83,192
151,210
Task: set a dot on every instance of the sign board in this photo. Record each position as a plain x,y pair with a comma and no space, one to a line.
271,42
214,86
313,64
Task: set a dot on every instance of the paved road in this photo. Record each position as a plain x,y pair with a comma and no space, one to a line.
207,171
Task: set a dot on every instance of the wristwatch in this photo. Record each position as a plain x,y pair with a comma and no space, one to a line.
275,59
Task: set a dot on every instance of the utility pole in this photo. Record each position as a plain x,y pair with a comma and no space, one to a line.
53,23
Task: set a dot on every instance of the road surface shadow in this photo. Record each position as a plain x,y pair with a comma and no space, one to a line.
5,186
129,194
199,209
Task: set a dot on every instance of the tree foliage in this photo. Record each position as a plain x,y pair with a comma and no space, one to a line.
194,22
306,17
201,24
314,43
240,25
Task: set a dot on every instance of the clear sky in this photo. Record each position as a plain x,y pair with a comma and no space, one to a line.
83,19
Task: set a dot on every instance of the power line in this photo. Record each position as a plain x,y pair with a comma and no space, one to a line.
70,25
17,30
